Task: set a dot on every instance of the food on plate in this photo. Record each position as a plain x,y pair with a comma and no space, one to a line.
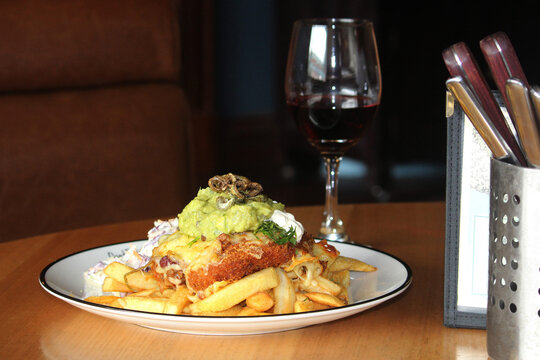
232,251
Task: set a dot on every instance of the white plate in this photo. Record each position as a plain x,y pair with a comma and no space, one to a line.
63,278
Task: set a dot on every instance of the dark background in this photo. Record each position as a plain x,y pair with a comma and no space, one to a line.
403,156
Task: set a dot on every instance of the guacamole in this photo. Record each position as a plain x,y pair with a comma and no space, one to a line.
203,215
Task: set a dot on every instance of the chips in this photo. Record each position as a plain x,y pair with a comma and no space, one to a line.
307,283
284,294
260,301
347,263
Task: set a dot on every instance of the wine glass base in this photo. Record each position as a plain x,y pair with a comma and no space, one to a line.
343,237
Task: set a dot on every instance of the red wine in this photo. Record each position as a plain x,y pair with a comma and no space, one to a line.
333,124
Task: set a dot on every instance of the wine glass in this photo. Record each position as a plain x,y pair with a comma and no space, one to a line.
333,90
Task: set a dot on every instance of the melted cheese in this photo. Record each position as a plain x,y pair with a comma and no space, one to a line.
189,251
300,258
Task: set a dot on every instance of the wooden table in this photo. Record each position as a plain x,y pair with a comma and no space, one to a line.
37,325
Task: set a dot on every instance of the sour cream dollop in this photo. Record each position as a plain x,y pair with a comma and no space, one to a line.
286,220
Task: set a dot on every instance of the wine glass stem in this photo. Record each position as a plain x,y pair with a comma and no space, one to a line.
332,226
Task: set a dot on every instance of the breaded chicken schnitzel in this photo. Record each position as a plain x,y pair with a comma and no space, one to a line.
228,258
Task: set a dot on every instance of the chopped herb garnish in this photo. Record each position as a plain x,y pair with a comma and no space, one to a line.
190,244
278,234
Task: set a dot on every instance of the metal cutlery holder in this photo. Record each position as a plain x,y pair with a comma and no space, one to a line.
513,312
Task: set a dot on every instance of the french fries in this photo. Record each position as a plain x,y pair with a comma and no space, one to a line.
304,304
260,302
122,278
247,311
325,299
143,303
103,300
237,292
177,302
117,271
303,285
284,294
111,285
347,263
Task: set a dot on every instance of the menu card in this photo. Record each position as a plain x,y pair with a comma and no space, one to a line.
472,284
467,221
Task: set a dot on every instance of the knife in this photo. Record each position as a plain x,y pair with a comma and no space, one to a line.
460,62
535,99
523,113
480,120
504,64
502,61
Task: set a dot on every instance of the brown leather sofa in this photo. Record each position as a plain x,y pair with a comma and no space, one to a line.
95,127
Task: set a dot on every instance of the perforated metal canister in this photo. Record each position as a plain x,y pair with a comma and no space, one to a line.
513,313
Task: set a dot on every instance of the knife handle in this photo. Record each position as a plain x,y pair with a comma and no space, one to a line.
535,100
522,110
502,61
